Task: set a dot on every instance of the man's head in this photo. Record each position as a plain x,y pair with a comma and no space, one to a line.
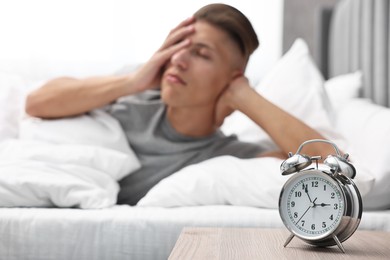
234,23
220,48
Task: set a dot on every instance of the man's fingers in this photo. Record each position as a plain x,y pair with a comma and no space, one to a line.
168,52
177,36
184,23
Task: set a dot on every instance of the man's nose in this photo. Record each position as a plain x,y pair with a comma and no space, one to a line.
180,59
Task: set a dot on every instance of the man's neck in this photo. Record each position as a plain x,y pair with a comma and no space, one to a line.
194,122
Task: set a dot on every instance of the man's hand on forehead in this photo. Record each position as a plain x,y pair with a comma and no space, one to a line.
149,75
179,33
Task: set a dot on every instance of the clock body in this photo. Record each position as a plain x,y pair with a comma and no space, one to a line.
316,205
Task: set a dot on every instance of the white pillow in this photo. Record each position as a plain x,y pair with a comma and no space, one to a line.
295,85
366,127
115,164
95,128
228,180
343,88
10,104
218,181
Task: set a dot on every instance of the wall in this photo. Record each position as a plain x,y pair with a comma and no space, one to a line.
302,19
54,37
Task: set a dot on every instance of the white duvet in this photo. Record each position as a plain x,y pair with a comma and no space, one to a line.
76,162
73,162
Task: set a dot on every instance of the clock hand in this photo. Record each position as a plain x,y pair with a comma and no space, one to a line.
304,214
313,204
307,192
322,204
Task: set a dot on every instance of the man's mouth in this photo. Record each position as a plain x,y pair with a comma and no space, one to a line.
174,79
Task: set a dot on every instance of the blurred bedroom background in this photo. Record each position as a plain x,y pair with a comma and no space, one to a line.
83,37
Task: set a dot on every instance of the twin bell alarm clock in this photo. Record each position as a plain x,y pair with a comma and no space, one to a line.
323,207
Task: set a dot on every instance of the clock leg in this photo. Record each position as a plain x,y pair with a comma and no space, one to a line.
339,243
288,240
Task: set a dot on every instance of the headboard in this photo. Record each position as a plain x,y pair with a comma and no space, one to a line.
359,39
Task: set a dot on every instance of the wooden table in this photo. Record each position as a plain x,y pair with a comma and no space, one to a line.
257,243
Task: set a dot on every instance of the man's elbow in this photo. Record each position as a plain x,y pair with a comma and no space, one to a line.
34,106
40,102
40,105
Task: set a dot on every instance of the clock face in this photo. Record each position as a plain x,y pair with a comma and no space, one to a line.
311,204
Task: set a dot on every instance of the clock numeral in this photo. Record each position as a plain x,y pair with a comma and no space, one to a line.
313,226
331,217
314,184
324,187
336,206
323,224
332,195
298,194
292,203
304,186
295,214
303,223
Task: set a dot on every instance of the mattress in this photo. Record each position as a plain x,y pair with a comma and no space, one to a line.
125,232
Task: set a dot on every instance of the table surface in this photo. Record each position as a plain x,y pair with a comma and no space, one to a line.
258,243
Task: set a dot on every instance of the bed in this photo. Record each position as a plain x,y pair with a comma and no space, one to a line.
73,216
124,232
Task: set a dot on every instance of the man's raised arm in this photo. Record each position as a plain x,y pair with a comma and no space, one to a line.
64,97
285,130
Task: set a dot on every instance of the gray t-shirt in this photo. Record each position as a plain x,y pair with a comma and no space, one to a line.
160,149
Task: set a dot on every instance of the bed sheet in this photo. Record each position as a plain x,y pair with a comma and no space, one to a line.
124,232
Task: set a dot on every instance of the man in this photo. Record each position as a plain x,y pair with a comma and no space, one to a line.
199,69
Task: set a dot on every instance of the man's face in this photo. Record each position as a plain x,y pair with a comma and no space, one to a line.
197,74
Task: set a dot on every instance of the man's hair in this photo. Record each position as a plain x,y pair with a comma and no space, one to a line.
232,21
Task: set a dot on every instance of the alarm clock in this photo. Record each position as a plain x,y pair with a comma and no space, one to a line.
323,207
